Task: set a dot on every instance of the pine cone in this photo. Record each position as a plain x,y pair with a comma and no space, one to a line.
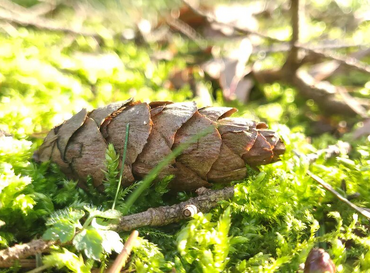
78,145
318,261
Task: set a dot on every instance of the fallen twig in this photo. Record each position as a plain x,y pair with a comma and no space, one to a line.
329,152
187,30
33,11
165,215
343,60
324,94
152,217
44,24
21,251
125,253
348,61
212,19
326,69
362,211
292,61
25,263
285,47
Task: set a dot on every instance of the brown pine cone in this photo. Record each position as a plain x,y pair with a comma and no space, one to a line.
318,261
78,145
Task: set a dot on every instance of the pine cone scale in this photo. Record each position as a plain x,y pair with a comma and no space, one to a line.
206,150
92,154
66,131
228,167
215,113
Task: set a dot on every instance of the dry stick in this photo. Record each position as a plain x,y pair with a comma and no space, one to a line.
347,61
362,211
165,215
187,30
284,47
352,102
323,93
351,62
212,19
25,250
331,67
34,11
44,24
153,217
24,263
292,61
329,152
125,253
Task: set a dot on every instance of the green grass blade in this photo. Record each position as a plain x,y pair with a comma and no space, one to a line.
123,165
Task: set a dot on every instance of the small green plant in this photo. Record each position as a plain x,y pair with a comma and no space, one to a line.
91,236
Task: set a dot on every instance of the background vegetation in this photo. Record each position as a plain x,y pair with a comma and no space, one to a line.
60,56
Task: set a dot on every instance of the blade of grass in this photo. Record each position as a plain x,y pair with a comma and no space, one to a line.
156,170
123,165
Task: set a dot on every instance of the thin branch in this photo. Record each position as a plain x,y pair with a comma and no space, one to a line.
324,94
284,47
324,70
165,215
329,152
351,62
44,24
352,102
344,60
187,30
125,253
12,7
152,217
296,13
25,263
212,19
362,211
25,250
33,11
292,60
